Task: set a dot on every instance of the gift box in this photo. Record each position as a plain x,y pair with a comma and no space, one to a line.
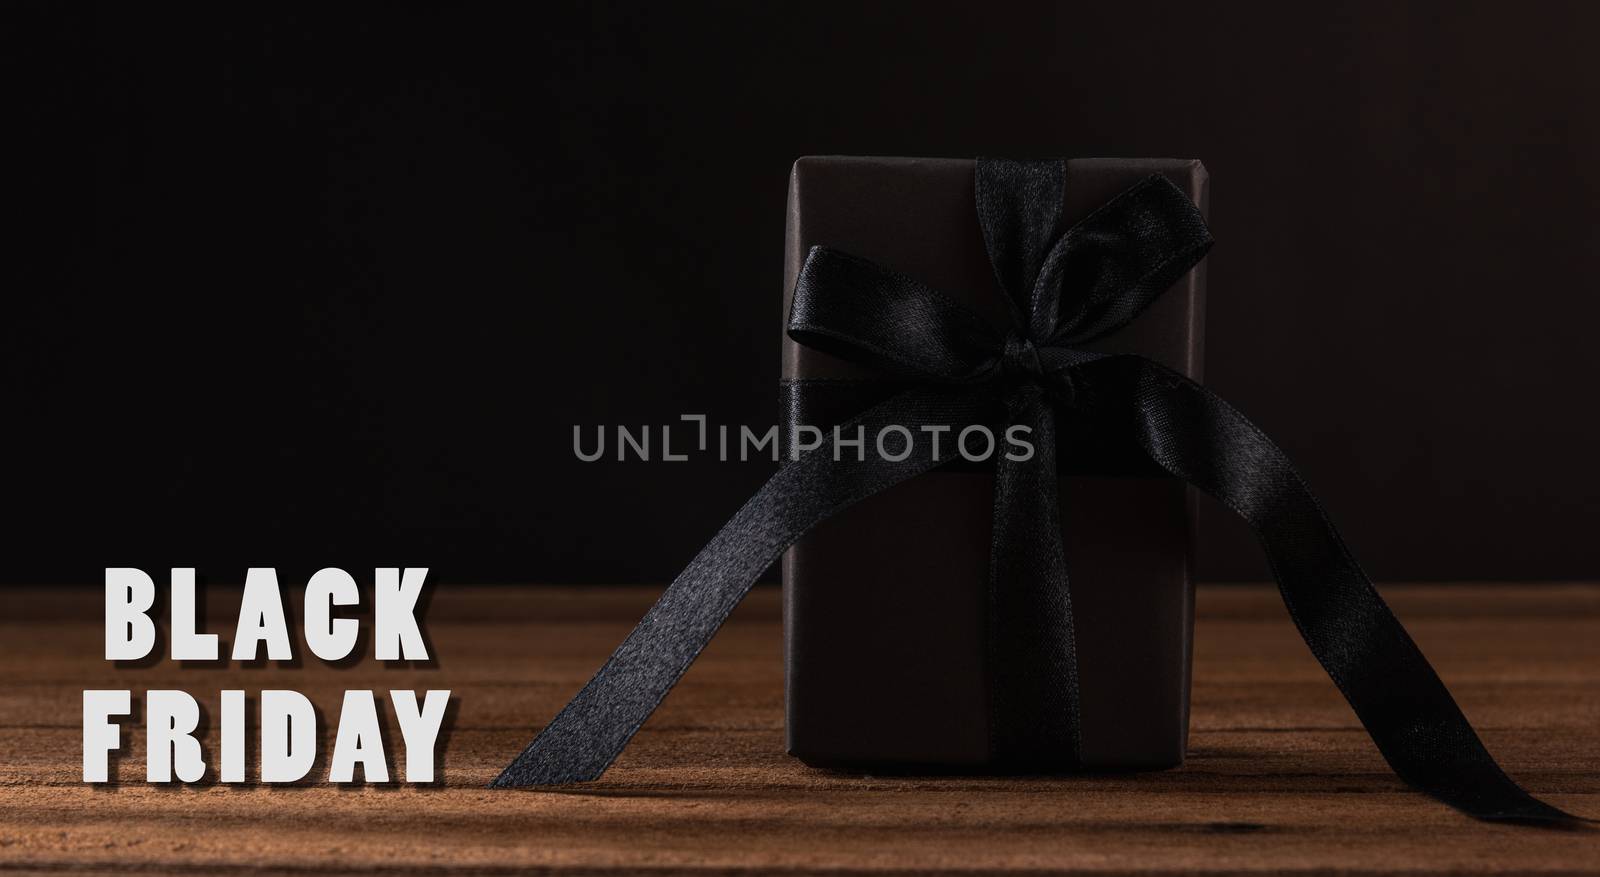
887,639
1017,610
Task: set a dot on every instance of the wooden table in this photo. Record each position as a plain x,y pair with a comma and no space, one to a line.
1280,777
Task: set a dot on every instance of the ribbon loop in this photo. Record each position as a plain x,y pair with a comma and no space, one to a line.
1112,264
851,308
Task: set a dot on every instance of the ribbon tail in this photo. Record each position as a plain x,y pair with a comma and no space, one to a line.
1032,660
1416,724
592,730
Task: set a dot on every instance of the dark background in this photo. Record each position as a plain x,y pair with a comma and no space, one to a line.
331,286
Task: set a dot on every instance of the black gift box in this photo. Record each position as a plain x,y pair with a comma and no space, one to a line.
1045,635
959,616
884,603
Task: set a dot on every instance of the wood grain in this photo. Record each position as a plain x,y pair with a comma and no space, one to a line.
1280,777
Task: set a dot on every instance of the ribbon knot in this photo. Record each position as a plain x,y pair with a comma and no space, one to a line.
1020,358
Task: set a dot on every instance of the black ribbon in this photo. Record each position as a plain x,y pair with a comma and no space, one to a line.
1066,289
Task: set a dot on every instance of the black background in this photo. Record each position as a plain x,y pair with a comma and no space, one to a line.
331,286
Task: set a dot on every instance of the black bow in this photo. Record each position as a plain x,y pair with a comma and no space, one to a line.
1066,289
